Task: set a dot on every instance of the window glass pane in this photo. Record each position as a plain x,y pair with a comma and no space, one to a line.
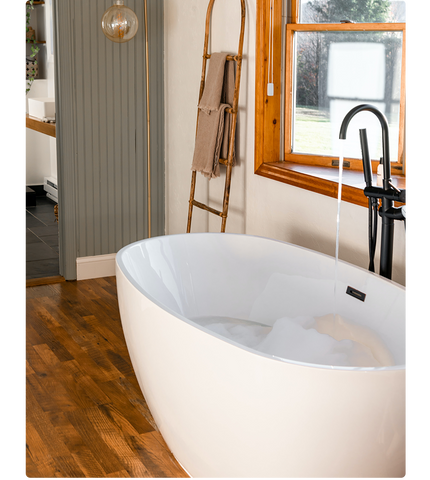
335,71
358,11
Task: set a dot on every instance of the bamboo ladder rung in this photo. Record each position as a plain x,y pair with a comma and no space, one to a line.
233,110
230,58
207,208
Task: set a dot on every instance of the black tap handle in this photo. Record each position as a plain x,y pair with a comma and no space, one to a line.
367,166
403,197
391,194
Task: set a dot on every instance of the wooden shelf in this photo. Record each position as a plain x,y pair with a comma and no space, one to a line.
37,41
35,124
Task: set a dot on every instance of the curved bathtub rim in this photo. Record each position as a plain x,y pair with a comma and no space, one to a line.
120,264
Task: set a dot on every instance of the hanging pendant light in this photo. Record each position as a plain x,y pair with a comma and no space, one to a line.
119,23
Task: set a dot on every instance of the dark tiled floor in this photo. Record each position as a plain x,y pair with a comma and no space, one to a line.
42,240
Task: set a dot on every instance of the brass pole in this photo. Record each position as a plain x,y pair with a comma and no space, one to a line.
148,122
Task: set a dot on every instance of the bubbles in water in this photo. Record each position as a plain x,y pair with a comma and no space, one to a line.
320,340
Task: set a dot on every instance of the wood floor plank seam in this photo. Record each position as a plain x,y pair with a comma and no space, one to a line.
86,415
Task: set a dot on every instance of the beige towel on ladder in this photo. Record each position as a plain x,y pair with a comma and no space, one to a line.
211,119
228,97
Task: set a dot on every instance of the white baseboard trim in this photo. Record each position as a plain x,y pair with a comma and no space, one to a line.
95,267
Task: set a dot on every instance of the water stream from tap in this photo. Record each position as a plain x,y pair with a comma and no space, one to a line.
339,198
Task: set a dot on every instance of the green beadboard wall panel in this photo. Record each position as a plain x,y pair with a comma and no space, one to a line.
102,149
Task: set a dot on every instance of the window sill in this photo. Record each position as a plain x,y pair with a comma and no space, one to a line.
323,180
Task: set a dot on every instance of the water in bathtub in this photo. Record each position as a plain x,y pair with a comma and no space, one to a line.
320,340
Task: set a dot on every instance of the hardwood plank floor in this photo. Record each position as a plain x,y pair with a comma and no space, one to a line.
86,415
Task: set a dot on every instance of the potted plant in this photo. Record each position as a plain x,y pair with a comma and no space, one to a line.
31,62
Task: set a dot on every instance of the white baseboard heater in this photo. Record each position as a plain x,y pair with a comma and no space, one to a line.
51,188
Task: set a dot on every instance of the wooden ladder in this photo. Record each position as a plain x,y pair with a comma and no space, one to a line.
231,111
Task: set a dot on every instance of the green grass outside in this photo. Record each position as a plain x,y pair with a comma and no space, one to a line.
312,131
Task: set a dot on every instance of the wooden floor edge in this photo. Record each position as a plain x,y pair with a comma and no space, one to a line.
35,282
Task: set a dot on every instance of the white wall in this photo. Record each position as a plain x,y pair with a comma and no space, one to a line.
258,206
38,150
41,150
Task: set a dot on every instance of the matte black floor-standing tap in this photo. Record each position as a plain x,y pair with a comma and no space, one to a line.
373,202
388,193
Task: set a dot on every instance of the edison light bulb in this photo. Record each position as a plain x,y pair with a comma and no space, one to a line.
119,23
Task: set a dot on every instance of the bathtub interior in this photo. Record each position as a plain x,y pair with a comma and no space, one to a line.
260,280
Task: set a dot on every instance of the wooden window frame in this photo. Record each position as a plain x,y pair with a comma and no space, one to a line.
310,172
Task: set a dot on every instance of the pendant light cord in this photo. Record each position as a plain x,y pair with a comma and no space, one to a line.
270,63
148,121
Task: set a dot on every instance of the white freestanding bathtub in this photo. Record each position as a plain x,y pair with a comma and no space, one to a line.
227,410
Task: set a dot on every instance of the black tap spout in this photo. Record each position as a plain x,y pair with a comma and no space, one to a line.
385,136
388,193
